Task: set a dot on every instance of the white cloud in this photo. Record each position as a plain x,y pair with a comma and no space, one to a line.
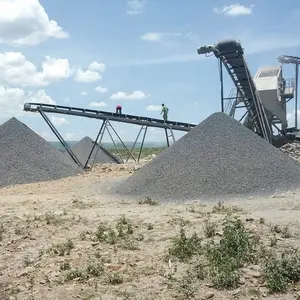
153,107
98,67
58,121
45,135
12,100
153,37
69,136
136,95
234,10
97,104
100,89
25,22
40,96
291,118
84,94
15,69
87,76
136,7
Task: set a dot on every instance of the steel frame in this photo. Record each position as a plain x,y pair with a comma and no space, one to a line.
145,128
106,126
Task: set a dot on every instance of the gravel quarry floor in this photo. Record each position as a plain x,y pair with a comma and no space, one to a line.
51,240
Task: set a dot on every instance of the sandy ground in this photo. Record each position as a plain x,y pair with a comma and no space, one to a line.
48,230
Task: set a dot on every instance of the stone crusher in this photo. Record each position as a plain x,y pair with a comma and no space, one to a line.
262,97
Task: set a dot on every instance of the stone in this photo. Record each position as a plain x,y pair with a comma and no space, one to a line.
209,295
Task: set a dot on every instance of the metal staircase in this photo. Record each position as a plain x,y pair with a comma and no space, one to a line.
231,54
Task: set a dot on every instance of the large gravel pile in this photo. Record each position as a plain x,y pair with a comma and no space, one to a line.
25,157
218,157
83,148
292,149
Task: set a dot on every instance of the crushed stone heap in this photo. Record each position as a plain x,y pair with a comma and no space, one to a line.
25,157
292,149
83,148
218,157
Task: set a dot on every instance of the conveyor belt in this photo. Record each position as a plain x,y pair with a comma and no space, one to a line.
96,114
231,53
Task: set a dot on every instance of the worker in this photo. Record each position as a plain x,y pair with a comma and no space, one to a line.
118,109
164,111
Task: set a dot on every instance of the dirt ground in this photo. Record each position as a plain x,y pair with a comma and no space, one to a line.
52,246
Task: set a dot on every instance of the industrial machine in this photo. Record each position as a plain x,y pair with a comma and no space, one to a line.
263,97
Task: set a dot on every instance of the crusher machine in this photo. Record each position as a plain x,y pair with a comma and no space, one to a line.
263,97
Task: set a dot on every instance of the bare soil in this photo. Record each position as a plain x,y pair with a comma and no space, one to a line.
48,234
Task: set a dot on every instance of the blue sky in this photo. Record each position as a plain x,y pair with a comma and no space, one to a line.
143,54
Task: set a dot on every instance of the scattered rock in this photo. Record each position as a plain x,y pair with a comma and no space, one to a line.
249,219
209,295
236,292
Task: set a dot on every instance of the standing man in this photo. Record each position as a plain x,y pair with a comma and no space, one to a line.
164,111
118,109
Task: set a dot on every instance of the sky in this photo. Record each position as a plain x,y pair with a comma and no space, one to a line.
137,53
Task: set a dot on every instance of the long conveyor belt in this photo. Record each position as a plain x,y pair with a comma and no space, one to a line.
231,53
96,114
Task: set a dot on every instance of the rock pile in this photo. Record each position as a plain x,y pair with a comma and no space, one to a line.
25,157
100,155
292,149
218,157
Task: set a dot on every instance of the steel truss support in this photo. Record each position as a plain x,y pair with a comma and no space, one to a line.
60,138
169,136
100,134
123,144
106,126
145,128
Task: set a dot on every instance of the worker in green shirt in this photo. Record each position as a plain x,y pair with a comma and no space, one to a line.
164,111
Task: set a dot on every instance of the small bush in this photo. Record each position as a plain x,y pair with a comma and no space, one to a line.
65,266
187,287
225,258
2,230
183,247
112,236
115,278
94,269
75,274
221,208
148,201
209,228
62,249
51,218
281,271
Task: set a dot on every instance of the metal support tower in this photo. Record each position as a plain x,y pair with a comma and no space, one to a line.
295,60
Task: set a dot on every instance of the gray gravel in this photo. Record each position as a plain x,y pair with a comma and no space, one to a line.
219,157
83,148
25,157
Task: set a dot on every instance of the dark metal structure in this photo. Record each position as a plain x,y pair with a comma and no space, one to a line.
107,118
295,60
231,55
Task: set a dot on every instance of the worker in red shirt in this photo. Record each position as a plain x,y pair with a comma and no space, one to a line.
118,109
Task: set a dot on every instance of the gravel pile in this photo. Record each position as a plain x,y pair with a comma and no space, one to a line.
292,149
83,148
218,157
25,157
